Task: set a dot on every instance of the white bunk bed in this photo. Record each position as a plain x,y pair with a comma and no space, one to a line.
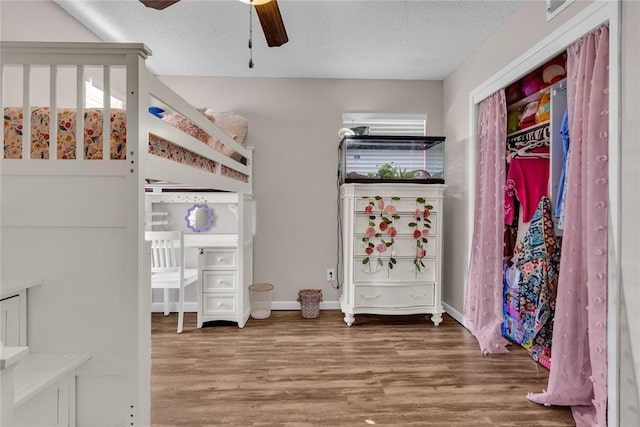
78,224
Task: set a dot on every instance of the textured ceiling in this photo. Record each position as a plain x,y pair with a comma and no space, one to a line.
392,39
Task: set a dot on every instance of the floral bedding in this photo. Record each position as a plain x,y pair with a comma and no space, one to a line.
40,139
13,129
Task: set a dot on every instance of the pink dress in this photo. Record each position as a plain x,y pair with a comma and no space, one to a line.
528,181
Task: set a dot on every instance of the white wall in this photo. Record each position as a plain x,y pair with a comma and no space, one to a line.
630,235
35,20
293,124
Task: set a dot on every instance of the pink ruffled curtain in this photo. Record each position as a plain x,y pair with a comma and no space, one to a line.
483,305
578,374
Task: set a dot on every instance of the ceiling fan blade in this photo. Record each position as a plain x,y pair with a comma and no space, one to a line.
272,25
158,4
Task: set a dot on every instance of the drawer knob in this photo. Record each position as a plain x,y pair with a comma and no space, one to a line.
220,304
219,259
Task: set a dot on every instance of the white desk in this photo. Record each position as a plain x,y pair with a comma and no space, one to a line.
210,240
221,279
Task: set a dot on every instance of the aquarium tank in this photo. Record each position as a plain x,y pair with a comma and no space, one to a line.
407,159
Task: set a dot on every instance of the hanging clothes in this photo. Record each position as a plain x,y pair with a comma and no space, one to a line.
512,324
538,259
560,201
528,181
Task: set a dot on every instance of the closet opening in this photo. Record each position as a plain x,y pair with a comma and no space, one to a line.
535,163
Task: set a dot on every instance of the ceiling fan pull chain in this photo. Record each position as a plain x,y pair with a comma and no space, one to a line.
251,34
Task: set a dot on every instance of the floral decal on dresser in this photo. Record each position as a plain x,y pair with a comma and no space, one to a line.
421,229
384,221
381,230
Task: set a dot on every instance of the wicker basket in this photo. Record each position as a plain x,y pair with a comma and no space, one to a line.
310,302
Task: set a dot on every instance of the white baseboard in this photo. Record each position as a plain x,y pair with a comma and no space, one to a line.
158,307
295,305
457,316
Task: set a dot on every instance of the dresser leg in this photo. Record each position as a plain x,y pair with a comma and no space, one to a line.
436,319
349,319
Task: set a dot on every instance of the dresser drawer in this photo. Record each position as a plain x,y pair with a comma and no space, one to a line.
395,296
215,303
219,259
403,271
361,223
403,246
404,205
214,280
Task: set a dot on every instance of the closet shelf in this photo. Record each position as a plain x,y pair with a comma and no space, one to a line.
38,371
524,101
529,129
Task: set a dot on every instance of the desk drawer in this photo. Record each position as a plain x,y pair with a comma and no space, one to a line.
216,281
218,258
215,303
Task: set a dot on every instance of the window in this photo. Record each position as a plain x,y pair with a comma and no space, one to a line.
94,97
387,124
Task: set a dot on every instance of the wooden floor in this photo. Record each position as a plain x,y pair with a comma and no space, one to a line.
383,370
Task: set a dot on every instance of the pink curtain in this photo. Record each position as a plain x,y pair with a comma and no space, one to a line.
578,374
483,304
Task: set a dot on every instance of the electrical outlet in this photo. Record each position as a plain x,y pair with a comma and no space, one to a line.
331,275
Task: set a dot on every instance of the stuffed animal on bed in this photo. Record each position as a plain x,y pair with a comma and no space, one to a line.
232,124
156,111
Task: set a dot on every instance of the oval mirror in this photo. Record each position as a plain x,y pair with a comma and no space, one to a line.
199,218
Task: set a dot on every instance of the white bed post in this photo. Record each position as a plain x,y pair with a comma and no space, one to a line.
140,267
80,97
26,111
106,113
53,112
2,101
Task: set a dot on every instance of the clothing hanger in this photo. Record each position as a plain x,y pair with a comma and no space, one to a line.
526,153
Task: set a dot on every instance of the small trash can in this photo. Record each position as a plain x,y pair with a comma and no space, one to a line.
310,302
260,300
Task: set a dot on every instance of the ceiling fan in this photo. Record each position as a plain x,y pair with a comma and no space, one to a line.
268,13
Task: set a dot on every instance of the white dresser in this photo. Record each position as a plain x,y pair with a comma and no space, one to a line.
396,267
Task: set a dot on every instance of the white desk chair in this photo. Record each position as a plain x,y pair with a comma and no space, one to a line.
167,268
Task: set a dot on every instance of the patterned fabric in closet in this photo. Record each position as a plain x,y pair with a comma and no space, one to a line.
538,259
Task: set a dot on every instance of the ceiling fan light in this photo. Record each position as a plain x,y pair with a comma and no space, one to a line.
255,2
